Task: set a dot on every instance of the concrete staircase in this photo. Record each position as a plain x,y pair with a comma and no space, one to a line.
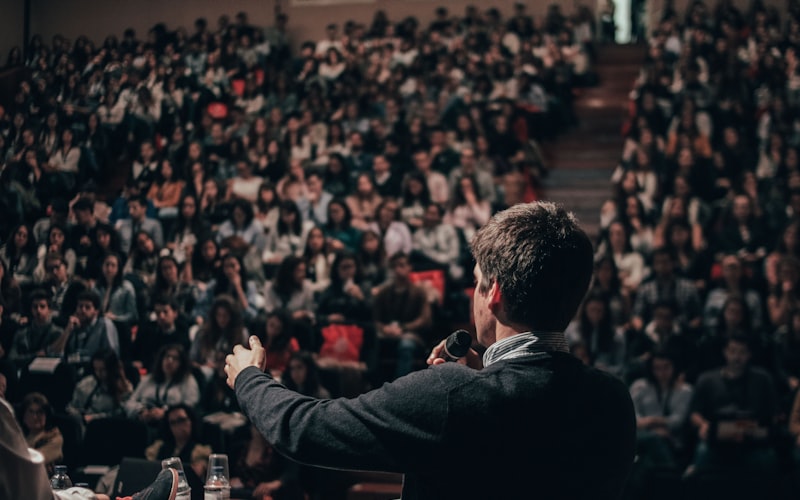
581,160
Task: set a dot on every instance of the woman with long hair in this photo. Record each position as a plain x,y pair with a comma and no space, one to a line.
468,211
338,229
213,207
40,431
188,230
19,254
788,244
117,295
172,284
103,393
222,329
346,300
594,327
231,281
205,262
277,336
372,260
142,263
302,375
165,191
106,240
416,197
318,259
607,282
661,400
363,202
169,382
291,290
243,224
630,263
336,176
784,296
267,206
289,237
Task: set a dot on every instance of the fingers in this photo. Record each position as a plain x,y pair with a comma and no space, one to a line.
434,357
259,353
236,350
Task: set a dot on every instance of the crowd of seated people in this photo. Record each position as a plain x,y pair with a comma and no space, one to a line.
695,302
322,199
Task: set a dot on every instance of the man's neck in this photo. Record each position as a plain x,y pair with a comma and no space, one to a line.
733,373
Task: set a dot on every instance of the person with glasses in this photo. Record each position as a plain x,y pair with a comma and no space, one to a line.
180,437
35,337
170,382
36,419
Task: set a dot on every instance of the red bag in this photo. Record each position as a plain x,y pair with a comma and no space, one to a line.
342,342
435,277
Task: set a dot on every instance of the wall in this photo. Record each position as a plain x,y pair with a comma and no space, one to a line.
98,18
11,26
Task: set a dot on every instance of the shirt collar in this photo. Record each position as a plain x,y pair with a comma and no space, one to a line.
525,344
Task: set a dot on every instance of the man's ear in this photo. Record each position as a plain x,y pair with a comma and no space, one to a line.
495,298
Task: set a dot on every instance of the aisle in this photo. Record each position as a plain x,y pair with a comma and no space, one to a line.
581,160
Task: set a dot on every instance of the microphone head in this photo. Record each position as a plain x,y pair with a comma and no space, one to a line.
458,343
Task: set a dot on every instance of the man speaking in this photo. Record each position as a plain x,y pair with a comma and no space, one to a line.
527,421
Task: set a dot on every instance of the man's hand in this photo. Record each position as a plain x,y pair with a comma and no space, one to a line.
243,358
471,359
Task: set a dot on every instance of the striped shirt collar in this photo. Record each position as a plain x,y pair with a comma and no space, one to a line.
525,344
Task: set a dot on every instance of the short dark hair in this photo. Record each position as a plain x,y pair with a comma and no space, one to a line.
396,257
541,260
90,296
141,199
39,294
84,203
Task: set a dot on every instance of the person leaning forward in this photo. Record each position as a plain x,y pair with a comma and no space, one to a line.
531,419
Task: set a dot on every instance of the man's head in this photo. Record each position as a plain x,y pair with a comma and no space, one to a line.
84,210
663,263
468,159
56,268
433,215
664,316
137,208
88,307
40,306
400,265
422,160
732,269
737,353
380,165
166,312
533,267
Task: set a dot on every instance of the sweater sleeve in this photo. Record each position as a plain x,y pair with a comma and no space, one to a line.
397,428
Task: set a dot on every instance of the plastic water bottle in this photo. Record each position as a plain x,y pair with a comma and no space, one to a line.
60,480
184,490
217,486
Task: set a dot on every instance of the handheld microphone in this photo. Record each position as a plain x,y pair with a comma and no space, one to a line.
456,346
